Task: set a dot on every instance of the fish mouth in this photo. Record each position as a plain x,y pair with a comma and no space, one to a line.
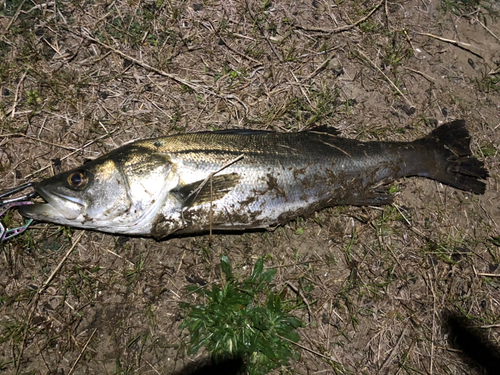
57,206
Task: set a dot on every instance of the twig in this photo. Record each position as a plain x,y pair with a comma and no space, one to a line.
196,191
12,111
294,264
150,365
488,30
449,349
465,46
299,292
434,309
81,353
47,282
494,71
427,77
37,139
262,32
180,263
211,212
401,213
13,19
119,256
456,42
305,348
487,274
322,66
345,27
387,78
304,92
386,8
259,63
72,153
393,352
34,302
412,228
41,6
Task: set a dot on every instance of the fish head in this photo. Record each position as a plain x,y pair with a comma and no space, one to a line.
117,193
90,193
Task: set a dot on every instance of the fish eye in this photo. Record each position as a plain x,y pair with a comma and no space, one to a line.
78,180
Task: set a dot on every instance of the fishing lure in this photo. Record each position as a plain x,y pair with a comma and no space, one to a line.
7,204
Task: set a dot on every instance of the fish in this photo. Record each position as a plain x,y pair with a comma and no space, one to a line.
245,179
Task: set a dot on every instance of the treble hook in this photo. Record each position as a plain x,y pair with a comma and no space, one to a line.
7,204
6,233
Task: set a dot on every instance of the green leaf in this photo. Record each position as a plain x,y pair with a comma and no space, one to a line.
273,303
291,335
194,348
267,276
489,150
294,322
495,240
394,189
266,349
226,267
257,269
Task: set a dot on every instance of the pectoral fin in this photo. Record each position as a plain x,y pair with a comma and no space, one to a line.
205,191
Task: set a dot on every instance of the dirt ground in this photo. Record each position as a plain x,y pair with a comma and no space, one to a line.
80,78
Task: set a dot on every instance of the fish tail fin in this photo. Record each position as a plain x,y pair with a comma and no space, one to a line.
454,164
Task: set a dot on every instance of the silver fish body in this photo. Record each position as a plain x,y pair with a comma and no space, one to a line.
242,180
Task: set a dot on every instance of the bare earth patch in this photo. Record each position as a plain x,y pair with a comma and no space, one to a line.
80,78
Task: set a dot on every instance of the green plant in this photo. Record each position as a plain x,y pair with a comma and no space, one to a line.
244,319
489,150
495,240
397,51
459,6
33,97
488,82
133,274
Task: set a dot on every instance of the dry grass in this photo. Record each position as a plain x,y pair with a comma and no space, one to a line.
79,79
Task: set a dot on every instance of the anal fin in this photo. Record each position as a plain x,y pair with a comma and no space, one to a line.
379,196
